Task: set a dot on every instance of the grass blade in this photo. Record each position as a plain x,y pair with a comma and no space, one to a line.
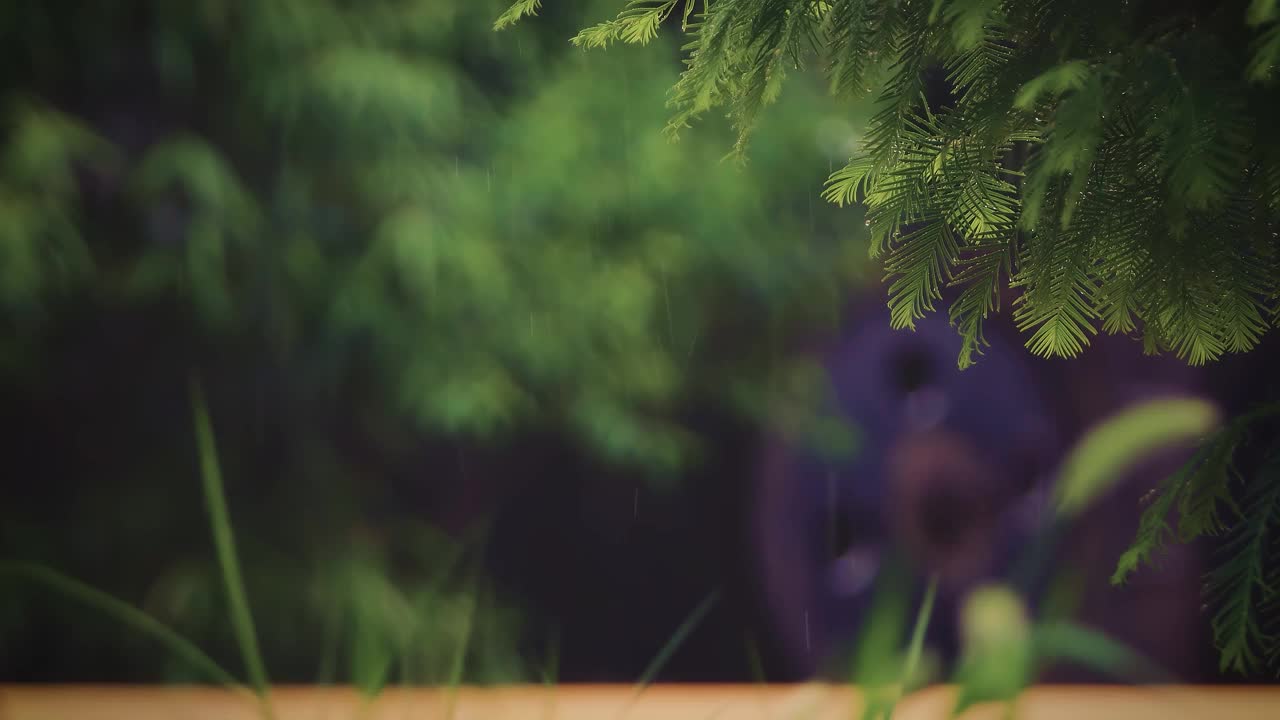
124,613
677,639
1095,650
916,648
459,664
224,543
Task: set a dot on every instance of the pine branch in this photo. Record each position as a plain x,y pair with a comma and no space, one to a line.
518,10
637,24
1238,586
983,273
1140,189
777,36
920,265
711,60
1056,304
968,19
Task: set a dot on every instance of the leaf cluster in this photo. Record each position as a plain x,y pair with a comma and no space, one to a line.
1108,166
1210,498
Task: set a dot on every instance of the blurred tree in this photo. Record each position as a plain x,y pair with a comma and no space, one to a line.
373,219
330,181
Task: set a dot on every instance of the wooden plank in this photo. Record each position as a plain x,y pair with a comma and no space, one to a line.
611,702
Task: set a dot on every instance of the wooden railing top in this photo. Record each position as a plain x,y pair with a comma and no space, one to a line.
620,702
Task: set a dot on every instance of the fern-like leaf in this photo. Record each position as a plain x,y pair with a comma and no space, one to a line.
518,10
637,24
1237,586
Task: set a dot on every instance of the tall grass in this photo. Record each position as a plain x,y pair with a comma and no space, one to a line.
392,628
225,545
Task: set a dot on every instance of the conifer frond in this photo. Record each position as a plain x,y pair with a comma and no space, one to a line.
710,62
1197,490
1242,588
1153,529
1107,159
919,265
1056,305
1053,82
518,10
1238,585
968,19
850,183
982,273
777,40
852,28
637,24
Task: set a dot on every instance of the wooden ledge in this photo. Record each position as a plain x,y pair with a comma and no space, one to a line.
621,702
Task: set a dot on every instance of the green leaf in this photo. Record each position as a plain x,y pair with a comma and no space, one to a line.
1261,11
1093,649
998,660
1102,456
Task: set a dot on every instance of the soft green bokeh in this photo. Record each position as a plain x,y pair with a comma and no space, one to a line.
378,220
497,225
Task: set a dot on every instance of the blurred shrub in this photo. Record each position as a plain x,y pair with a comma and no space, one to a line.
498,227
376,214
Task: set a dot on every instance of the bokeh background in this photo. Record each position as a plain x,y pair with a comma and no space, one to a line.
492,364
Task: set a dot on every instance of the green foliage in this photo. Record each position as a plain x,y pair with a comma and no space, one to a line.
1243,587
385,189
1102,456
122,612
42,250
879,666
515,12
425,629
999,658
637,24
1106,163
1208,503
1004,649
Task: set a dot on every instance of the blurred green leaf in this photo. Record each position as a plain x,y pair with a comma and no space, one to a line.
999,658
1108,450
